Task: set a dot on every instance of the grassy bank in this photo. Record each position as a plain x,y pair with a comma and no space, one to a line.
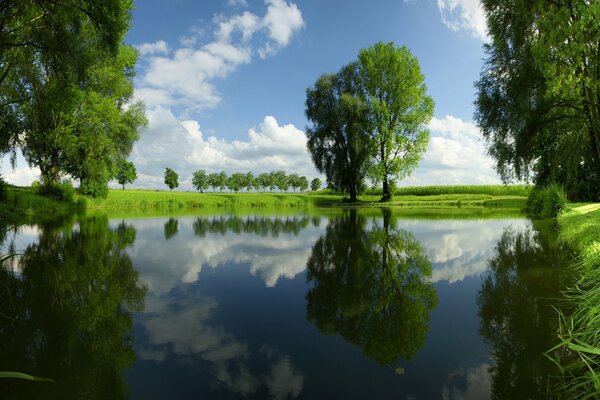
579,351
23,204
147,199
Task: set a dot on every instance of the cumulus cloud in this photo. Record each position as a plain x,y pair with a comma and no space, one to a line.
464,15
181,145
456,156
159,47
185,78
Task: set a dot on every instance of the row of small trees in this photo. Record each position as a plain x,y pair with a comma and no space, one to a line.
239,181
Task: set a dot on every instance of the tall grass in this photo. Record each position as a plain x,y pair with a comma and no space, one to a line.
578,353
548,201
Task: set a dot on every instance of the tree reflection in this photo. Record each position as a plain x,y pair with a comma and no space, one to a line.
68,312
516,309
171,228
263,226
371,286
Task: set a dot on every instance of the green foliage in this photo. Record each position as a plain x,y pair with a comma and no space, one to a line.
52,39
538,93
398,109
303,184
126,172
171,178
264,180
369,118
249,181
68,81
315,184
339,140
236,182
200,180
547,202
279,180
62,191
93,189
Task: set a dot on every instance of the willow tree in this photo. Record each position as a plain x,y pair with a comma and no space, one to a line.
399,110
339,140
538,99
66,87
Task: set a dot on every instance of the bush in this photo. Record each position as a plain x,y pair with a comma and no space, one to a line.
547,202
94,189
64,191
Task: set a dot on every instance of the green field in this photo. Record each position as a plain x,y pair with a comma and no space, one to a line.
177,200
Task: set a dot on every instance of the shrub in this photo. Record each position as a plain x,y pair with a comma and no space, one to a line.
547,202
64,191
94,189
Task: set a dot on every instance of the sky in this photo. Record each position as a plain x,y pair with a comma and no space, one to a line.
224,82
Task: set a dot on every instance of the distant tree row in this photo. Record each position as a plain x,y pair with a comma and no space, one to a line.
239,181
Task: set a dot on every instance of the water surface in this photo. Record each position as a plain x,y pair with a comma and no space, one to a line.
348,304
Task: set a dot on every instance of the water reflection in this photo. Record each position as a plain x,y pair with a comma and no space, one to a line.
516,303
67,312
262,226
372,286
171,228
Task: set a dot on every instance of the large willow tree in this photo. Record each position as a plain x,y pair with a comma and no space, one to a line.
538,101
66,87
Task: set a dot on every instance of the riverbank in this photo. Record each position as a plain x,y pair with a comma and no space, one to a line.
24,205
579,350
177,200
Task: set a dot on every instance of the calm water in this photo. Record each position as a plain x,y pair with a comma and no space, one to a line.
350,305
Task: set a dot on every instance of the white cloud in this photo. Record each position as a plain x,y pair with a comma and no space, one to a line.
159,47
464,15
237,3
21,175
456,156
282,21
181,145
185,78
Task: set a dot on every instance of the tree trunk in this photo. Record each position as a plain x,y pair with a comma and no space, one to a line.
123,186
353,193
386,195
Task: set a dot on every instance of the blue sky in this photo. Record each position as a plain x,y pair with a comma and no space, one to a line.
224,81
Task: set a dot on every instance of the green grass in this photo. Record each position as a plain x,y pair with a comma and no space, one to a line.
492,190
148,199
24,204
161,200
578,353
